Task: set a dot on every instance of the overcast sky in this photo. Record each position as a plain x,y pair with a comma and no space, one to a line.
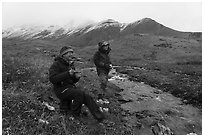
183,16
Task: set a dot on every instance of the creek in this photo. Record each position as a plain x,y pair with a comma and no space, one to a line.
152,111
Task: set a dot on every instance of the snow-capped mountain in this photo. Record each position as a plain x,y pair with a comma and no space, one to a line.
52,31
26,31
105,24
107,29
32,31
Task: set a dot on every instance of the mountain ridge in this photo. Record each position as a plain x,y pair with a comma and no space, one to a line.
107,29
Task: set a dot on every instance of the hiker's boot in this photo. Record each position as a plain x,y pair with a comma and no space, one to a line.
99,116
100,99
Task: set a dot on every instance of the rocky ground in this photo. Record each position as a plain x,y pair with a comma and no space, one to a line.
142,101
134,108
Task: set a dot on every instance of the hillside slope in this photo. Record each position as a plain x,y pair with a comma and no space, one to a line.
90,34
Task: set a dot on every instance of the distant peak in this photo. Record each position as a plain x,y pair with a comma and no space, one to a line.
147,19
108,21
144,20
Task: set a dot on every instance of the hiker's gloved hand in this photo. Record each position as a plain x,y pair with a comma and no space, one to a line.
71,72
108,66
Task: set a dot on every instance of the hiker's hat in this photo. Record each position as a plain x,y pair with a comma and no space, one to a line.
64,50
103,43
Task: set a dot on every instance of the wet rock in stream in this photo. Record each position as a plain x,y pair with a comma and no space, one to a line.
122,100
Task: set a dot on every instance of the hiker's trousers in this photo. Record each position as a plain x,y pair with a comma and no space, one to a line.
79,97
103,78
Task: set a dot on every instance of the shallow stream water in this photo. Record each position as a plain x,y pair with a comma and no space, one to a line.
152,111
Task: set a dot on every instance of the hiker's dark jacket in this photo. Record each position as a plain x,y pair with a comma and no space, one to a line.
102,61
59,75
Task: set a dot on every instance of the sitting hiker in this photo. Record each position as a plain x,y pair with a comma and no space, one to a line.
63,76
103,66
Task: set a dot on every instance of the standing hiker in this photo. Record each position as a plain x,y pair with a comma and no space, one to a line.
103,67
63,76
